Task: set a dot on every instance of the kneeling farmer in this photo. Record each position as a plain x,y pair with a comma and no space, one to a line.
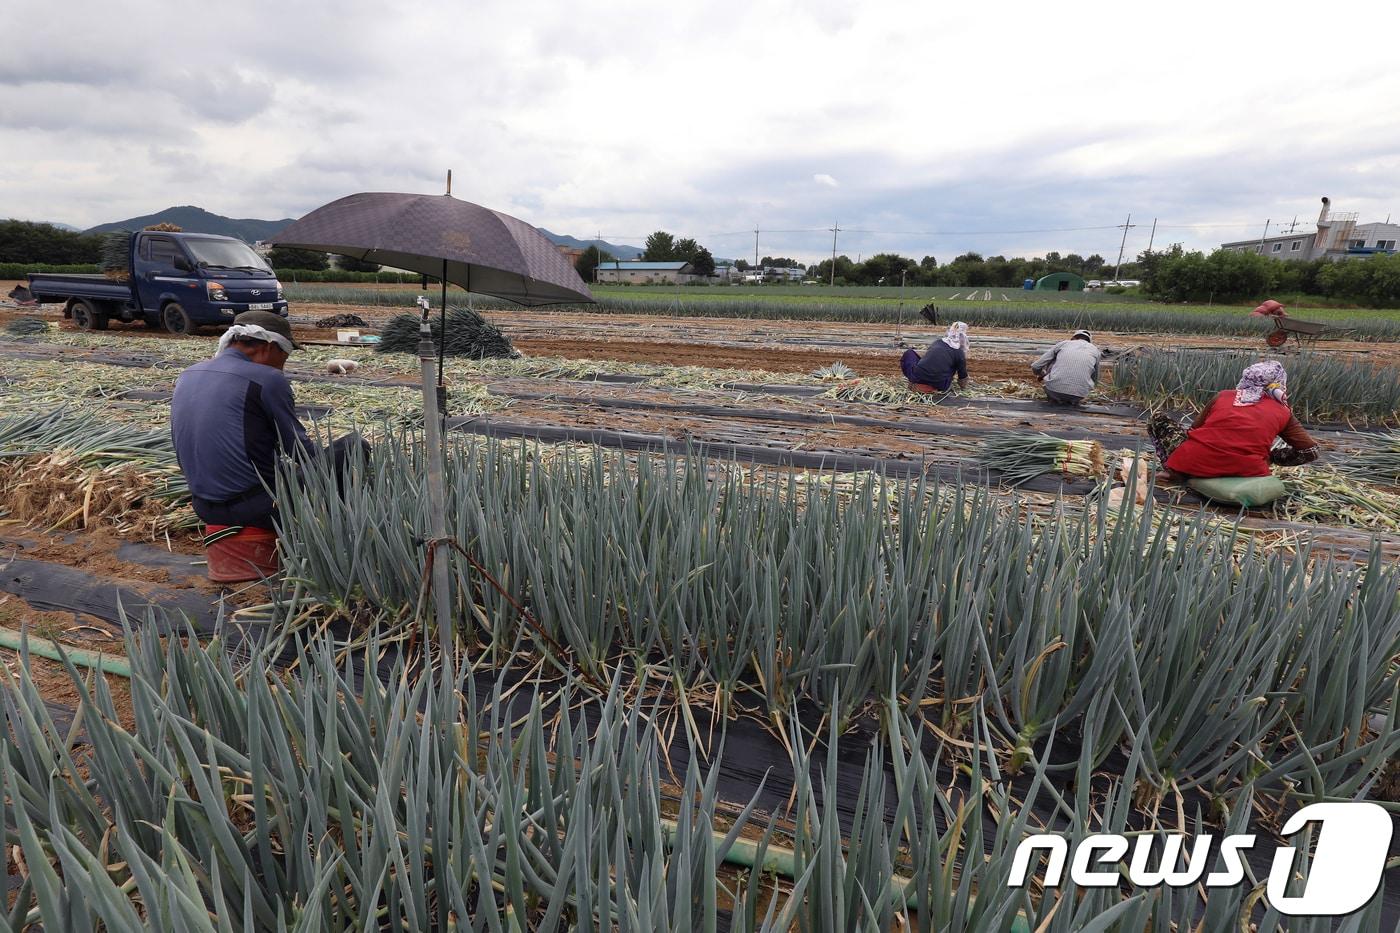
1233,438
230,417
945,358
1070,369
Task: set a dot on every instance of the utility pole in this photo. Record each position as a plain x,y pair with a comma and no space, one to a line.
899,328
1153,235
755,247
1126,226
835,228
1293,225
1265,236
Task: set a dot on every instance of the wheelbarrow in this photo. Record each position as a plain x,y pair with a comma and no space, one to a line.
1302,332
1284,326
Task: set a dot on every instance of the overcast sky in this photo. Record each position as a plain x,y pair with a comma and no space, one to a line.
1001,127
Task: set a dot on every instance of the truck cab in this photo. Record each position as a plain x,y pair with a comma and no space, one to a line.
186,280
178,281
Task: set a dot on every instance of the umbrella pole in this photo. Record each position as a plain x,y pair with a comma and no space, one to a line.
437,494
442,344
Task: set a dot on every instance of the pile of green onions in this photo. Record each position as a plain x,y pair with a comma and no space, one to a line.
1379,461
1022,457
1332,497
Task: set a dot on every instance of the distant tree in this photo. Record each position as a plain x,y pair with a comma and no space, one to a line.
587,264
845,270
661,247
742,265
702,261
351,264
779,262
967,269
1093,265
283,258
884,269
28,242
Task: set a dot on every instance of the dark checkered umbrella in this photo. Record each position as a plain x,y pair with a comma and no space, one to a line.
482,250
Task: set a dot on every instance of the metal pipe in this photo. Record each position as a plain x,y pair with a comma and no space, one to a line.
442,323
433,454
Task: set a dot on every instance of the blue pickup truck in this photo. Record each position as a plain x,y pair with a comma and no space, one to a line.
179,281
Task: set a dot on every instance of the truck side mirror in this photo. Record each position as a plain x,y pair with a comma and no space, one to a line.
182,264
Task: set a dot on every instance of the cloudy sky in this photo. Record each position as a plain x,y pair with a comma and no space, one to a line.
1004,127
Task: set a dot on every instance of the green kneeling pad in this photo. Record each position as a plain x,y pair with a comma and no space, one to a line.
1239,490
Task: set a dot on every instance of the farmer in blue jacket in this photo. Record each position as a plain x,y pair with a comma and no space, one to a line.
945,358
233,414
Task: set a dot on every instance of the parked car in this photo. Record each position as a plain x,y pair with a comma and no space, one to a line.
179,281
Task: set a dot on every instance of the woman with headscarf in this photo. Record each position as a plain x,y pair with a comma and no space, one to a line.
1234,434
944,358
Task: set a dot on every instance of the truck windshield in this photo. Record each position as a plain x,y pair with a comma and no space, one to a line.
226,254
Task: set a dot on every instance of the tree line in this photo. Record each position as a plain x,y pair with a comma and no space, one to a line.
1178,275
28,242
1174,275
969,269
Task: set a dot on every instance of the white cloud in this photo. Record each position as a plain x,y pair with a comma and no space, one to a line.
708,121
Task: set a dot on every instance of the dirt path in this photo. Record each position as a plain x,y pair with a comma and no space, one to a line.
786,360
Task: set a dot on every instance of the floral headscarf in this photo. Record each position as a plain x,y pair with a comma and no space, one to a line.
956,336
1259,379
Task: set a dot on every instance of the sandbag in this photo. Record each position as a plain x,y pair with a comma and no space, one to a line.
1239,490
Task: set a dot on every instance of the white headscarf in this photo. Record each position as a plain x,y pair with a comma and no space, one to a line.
956,336
253,332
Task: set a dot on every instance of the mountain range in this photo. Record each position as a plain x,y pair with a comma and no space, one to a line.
197,220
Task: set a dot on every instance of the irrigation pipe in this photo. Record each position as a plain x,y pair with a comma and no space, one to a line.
782,861
742,853
44,648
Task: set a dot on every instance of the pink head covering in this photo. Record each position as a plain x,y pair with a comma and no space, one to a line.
1269,308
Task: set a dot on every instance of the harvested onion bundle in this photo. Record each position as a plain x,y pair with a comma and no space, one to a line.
1022,457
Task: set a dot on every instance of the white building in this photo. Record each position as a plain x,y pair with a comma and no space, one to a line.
648,273
1338,236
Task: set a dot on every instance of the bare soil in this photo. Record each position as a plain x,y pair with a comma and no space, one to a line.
750,343
770,359
55,685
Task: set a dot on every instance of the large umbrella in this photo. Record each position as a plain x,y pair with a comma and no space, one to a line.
484,251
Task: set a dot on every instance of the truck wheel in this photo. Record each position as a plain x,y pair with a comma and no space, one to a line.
87,316
176,320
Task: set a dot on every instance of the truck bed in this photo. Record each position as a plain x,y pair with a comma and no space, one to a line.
55,286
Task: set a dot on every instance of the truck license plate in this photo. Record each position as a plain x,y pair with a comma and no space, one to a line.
264,306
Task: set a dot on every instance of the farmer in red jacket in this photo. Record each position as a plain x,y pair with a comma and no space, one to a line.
1234,434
